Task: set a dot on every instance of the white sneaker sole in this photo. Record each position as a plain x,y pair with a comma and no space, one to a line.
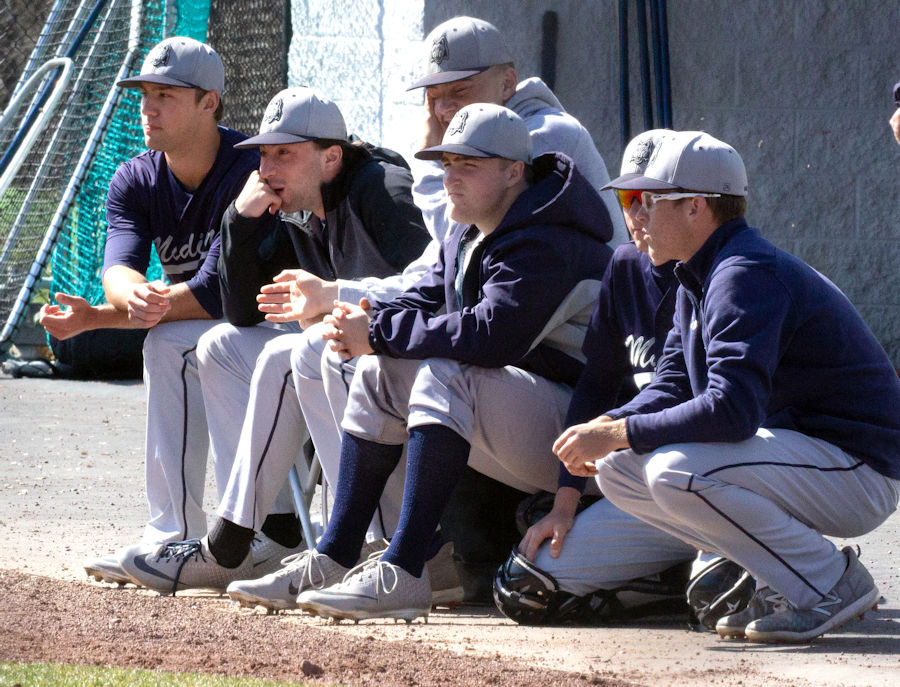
102,573
857,608
326,611
248,600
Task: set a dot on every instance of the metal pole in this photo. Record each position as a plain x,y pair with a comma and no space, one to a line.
44,94
646,98
657,62
624,95
664,53
549,31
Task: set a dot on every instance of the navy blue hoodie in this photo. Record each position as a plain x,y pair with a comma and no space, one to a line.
528,291
760,339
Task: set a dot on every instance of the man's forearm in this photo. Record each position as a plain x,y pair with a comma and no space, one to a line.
183,305
118,285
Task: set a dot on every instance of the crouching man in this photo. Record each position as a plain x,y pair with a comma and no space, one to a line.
772,419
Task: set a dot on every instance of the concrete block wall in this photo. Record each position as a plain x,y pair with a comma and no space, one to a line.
801,88
360,53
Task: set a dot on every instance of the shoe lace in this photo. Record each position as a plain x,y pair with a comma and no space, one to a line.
830,599
181,551
305,566
379,569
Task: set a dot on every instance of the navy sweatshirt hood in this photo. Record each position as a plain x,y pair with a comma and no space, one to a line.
560,195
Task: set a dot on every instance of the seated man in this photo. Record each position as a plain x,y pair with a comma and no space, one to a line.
772,420
170,197
335,209
606,550
473,365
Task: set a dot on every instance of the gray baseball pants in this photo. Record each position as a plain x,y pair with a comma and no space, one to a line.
255,424
764,503
177,440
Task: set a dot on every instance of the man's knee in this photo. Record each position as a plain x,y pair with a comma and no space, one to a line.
671,477
307,353
620,477
210,343
169,343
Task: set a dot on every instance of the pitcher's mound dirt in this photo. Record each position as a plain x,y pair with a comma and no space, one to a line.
50,620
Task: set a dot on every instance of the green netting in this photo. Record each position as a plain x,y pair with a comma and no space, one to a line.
78,256
256,67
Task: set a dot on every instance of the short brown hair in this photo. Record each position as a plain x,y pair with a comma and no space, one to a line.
198,96
727,208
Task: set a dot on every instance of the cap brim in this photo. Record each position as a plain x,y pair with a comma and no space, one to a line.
446,77
136,81
638,182
272,138
435,152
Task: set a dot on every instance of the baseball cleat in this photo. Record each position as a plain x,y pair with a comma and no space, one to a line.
373,589
189,564
764,602
278,590
853,595
107,569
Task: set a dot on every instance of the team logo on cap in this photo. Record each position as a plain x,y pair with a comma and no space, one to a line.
458,124
161,58
274,111
642,152
440,49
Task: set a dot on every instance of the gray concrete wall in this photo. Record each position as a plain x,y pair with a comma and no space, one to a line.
801,88
359,53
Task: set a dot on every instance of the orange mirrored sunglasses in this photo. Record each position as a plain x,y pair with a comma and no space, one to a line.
627,197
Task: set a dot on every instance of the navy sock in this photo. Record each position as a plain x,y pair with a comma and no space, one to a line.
436,457
229,543
364,470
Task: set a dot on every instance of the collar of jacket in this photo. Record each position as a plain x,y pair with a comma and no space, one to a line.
694,273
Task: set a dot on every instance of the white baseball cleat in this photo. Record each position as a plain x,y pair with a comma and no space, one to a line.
373,589
107,569
189,564
278,590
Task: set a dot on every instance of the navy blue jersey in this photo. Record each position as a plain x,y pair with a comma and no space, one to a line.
625,339
760,339
146,205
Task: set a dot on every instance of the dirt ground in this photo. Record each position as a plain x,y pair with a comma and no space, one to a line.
71,486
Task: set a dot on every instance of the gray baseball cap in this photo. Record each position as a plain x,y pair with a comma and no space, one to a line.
690,160
296,115
484,130
181,61
460,48
639,151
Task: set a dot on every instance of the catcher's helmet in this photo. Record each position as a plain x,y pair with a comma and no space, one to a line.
719,589
531,596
